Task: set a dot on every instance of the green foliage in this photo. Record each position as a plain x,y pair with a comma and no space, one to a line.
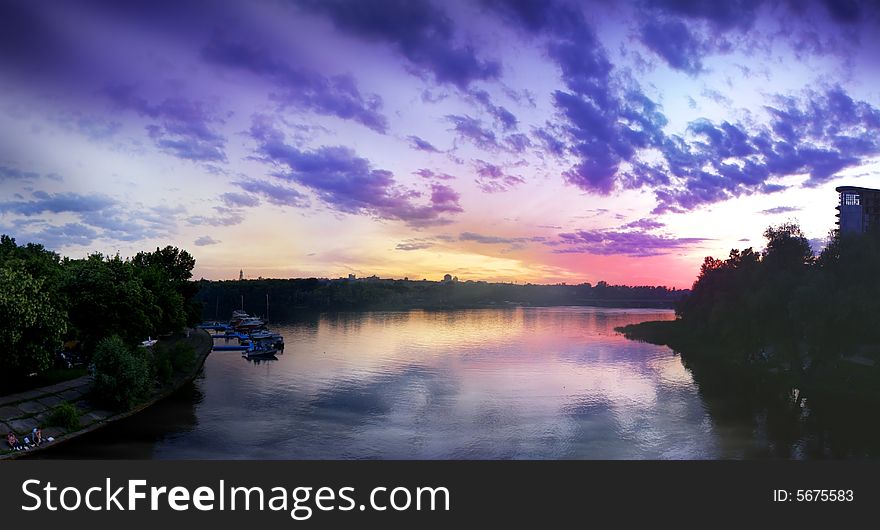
106,297
64,415
221,297
787,301
121,376
178,357
32,322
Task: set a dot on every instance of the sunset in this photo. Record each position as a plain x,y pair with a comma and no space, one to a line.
428,263
505,141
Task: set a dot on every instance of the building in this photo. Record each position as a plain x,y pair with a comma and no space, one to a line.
858,210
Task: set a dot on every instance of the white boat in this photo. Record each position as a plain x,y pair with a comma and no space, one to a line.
149,343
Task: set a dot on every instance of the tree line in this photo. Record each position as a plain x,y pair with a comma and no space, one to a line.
787,302
48,301
219,298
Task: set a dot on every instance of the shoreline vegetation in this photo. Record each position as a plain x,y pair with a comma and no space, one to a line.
792,336
88,414
221,297
64,316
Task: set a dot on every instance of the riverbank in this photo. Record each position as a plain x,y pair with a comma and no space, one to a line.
22,412
810,402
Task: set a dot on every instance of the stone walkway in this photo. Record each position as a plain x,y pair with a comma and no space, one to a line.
22,412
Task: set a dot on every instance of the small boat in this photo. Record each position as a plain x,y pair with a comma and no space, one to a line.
267,337
149,343
260,352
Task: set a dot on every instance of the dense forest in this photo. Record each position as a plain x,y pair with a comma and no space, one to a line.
50,303
787,341
785,303
219,298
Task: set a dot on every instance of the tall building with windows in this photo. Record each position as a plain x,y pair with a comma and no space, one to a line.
858,210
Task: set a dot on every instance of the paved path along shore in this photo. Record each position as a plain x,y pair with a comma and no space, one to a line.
22,412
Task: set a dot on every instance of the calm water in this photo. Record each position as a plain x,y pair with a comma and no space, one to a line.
467,384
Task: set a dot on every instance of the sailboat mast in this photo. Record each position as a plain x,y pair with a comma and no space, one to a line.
267,307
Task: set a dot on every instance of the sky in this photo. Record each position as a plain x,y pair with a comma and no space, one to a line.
500,140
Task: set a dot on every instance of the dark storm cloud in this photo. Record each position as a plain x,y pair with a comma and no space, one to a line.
183,128
349,183
419,30
298,87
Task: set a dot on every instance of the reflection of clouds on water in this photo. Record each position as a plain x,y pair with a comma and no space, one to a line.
511,383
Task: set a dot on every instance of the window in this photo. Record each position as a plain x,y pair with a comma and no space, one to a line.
850,199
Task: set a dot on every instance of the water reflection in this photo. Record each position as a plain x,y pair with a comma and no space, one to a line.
488,383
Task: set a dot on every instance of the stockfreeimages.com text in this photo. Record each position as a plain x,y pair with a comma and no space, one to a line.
301,502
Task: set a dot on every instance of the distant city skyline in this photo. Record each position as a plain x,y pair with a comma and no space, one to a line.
498,140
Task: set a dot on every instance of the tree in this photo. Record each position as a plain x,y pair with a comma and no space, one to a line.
121,375
32,324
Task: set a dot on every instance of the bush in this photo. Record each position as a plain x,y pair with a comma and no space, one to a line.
182,356
164,368
120,376
64,415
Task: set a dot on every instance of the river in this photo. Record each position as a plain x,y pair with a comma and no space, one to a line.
525,383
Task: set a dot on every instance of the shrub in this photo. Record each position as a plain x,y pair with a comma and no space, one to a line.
182,356
64,415
164,368
120,376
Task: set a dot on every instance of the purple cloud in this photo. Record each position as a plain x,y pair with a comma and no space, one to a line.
504,117
235,200
183,128
274,193
644,224
493,179
673,41
428,174
11,173
57,203
421,144
418,30
414,244
818,135
616,242
780,209
472,129
224,217
333,96
513,243
349,183
603,124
